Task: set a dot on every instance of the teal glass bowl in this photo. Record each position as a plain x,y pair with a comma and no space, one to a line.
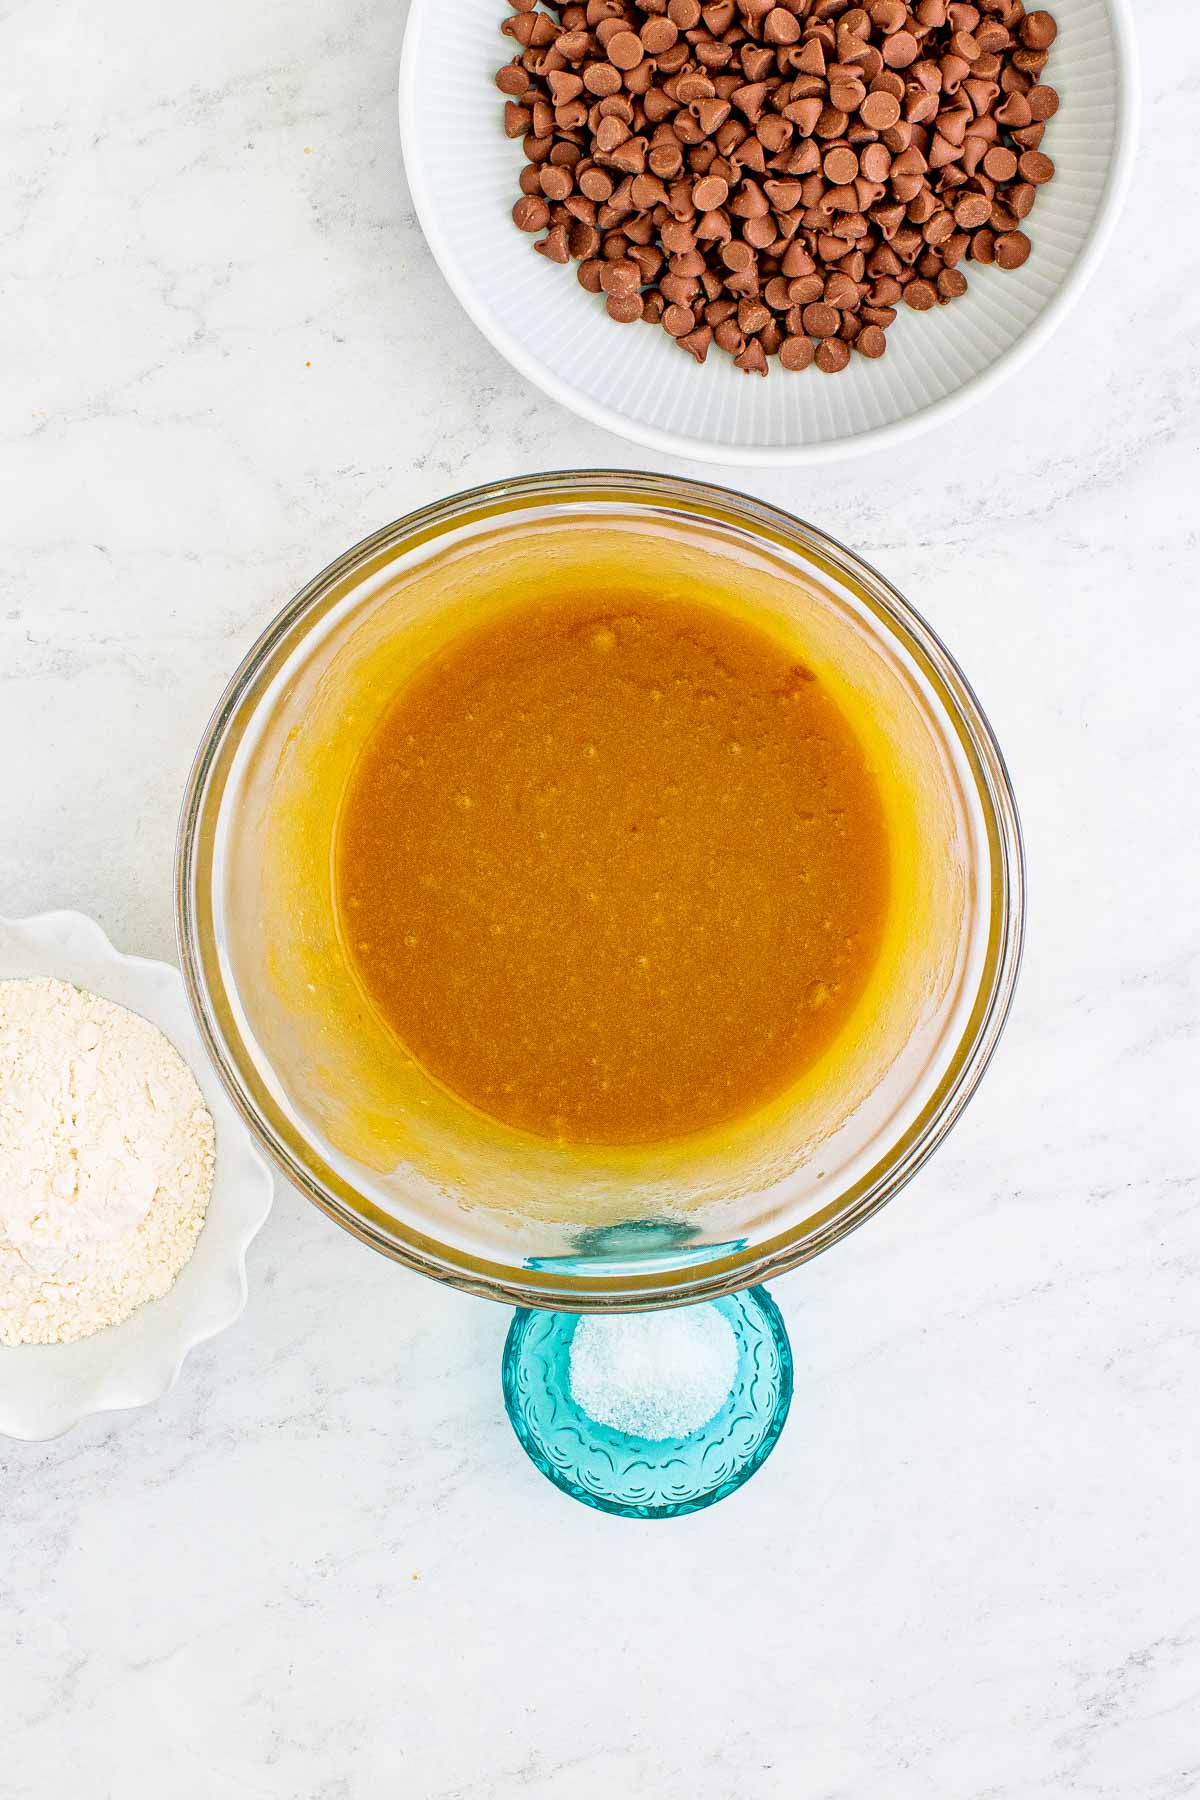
648,1478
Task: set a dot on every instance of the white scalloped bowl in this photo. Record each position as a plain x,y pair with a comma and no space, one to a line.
45,1389
463,172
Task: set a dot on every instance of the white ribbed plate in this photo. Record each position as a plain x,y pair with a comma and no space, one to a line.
631,378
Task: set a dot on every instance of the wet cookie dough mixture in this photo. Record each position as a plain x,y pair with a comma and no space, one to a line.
613,872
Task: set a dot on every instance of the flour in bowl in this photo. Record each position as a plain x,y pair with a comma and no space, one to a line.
106,1162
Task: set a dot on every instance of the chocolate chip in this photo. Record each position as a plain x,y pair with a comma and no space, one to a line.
920,296
750,202
596,184
770,336
737,256
1038,30
1012,249
781,27
531,214
840,165
658,35
555,245
696,342
900,50
753,359
796,352
1021,196
880,110
999,164
806,288
784,195
832,356
626,309
709,193
512,79
775,177
759,233
841,292
1014,112
820,320
556,182
831,122
971,211
1036,168
888,15
1042,103
620,277
602,79
847,94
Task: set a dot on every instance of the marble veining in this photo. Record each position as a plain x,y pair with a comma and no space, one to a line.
322,1568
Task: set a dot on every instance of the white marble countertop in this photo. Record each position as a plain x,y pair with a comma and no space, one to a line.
322,1569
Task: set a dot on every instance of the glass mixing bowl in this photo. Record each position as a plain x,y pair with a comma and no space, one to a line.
417,1174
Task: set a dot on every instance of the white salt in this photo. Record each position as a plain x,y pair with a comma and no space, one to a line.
653,1375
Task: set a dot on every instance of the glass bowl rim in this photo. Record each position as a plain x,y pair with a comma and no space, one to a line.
684,1284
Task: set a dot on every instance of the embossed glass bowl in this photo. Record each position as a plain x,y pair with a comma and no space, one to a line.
477,1206
644,1478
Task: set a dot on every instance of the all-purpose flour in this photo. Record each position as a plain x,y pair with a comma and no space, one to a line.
106,1162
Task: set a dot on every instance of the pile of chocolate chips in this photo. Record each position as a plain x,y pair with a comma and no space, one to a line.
777,178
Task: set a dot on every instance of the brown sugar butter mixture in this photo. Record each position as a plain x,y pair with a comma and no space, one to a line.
613,872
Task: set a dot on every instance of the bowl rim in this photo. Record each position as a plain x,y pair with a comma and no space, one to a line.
880,437
521,1285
